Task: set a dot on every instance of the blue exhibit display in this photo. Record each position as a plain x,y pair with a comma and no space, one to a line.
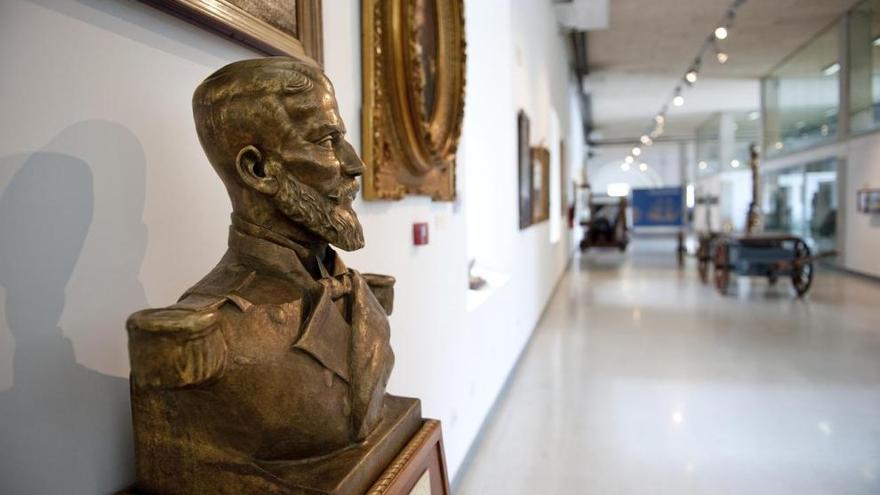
661,207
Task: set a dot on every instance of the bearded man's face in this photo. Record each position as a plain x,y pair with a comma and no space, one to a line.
319,169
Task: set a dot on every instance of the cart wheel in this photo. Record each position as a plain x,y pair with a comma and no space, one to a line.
703,269
722,268
681,249
801,273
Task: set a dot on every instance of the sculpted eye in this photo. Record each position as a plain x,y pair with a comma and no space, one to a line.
328,141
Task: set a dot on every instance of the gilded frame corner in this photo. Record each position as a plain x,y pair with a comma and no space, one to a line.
225,18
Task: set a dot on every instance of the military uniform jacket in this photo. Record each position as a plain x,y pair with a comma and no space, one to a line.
258,363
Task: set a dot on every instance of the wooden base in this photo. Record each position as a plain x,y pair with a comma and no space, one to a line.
419,469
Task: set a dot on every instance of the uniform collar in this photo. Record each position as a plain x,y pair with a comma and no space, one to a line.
277,252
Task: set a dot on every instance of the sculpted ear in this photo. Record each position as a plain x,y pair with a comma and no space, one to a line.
251,168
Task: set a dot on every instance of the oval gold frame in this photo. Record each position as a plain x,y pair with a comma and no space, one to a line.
405,150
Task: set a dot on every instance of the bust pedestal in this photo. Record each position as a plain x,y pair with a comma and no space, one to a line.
419,469
404,456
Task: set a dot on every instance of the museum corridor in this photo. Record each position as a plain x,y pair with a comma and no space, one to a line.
425,247
639,380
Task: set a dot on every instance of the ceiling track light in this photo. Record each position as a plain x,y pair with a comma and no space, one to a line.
720,54
691,76
678,100
721,32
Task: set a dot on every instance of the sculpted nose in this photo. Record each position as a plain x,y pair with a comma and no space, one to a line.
352,165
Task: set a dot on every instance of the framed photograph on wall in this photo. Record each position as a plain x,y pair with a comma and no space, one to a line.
563,180
524,155
280,27
868,200
540,184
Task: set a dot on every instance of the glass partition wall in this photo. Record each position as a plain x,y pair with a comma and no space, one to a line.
708,145
864,62
801,97
724,141
802,200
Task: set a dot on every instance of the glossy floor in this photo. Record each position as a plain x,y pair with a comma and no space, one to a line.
639,380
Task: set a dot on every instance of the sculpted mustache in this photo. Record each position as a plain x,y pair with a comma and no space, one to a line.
346,191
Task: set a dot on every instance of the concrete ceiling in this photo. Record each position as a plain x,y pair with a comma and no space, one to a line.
636,62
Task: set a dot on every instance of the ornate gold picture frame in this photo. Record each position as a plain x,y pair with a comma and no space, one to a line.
282,27
413,90
540,184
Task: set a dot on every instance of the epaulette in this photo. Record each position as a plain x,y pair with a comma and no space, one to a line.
223,283
182,345
382,287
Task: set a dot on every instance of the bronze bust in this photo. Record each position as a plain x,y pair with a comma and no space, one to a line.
268,376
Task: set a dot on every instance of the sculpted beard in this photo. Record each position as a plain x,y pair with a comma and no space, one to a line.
336,222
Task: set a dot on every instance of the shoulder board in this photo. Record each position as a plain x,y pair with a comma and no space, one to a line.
223,283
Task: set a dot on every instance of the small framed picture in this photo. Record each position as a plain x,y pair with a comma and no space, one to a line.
868,201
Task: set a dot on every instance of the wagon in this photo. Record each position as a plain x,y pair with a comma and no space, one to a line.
771,256
704,254
607,226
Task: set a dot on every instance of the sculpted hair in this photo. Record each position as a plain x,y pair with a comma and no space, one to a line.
235,105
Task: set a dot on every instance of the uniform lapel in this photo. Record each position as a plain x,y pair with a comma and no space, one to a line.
371,356
327,336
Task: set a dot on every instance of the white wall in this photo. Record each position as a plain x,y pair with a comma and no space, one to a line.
107,205
518,63
861,232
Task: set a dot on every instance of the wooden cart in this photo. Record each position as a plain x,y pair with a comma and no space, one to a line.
607,226
766,255
705,241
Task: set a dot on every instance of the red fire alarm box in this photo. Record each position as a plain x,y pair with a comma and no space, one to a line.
420,233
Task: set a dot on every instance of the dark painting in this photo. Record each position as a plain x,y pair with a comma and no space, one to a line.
525,171
280,14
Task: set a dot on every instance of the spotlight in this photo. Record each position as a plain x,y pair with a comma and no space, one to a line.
646,140
643,167
678,100
734,163
624,166
831,69
722,57
721,33
636,151
691,76
629,160
703,165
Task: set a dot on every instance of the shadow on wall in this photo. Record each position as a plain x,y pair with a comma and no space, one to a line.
65,428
